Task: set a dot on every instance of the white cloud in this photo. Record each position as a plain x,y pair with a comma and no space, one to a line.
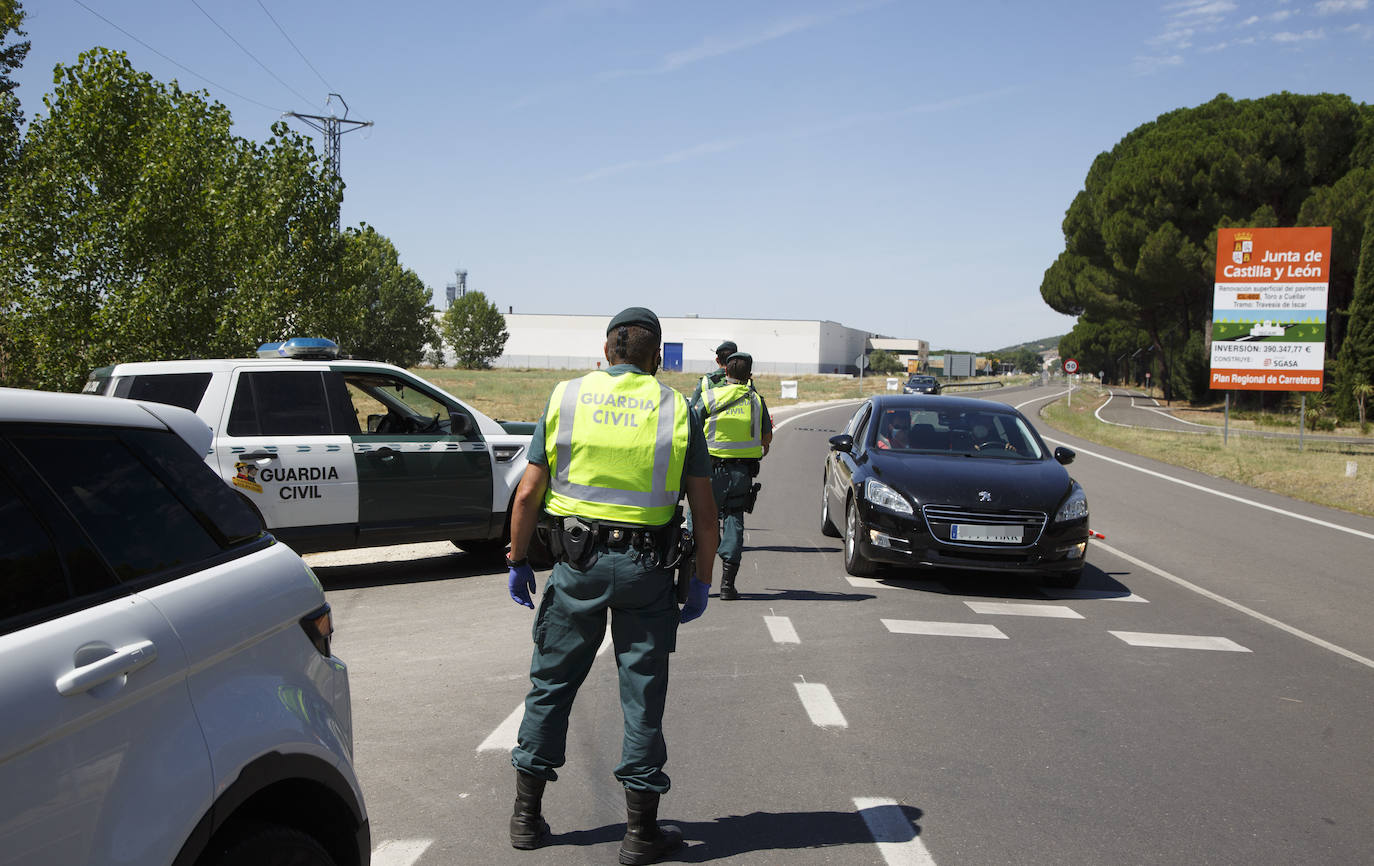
1305,36
1151,65
1201,8
1337,7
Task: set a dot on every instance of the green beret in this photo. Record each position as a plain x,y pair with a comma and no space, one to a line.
727,347
641,316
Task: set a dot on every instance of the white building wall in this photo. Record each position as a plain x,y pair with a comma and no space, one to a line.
779,346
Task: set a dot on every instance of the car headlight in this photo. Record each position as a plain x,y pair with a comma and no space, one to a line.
878,493
1074,506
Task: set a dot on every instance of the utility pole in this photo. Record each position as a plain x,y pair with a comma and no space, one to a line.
333,128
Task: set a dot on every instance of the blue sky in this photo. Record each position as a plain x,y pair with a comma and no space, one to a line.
899,167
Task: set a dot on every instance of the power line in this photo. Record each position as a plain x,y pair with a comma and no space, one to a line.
332,127
180,66
250,54
327,85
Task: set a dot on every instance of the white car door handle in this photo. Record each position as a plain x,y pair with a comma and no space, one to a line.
124,660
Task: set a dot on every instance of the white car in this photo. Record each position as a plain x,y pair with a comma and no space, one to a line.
339,454
169,692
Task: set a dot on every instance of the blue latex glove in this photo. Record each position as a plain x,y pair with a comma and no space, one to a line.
696,601
521,584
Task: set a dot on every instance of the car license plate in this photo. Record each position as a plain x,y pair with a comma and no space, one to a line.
986,534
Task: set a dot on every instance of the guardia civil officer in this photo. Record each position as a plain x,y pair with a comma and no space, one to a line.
609,461
738,433
716,376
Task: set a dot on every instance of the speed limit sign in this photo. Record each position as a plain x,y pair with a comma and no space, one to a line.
1070,365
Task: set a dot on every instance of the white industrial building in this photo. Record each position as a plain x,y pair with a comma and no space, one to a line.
785,347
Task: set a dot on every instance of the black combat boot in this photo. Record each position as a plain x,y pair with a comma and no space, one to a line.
728,570
645,841
528,829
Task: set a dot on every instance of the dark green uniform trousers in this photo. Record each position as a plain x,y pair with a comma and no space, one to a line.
730,483
568,630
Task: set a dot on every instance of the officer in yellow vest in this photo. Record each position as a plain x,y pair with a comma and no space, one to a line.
715,377
738,433
610,459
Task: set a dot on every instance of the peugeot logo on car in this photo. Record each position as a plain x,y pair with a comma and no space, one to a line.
984,496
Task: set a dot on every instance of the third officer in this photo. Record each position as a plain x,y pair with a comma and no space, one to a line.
738,433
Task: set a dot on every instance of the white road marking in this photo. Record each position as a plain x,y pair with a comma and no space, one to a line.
400,852
820,706
893,832
875,583
943,629
1090,595
506,735
780,627
1008,608
784,422
1179,641
1268,620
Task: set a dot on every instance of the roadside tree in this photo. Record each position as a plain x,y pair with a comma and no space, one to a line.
136,227
393,318
475,329
883,361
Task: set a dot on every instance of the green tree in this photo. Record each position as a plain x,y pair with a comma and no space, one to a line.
1355,363
1026,360
136,227
394,319
883,361
13,49
1140,238
475,329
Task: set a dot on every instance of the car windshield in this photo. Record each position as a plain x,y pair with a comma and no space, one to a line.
977,433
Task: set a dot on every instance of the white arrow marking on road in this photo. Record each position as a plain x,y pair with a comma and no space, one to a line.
780,627
1007,608
1179,641
943,629
820,706
400,852
893,832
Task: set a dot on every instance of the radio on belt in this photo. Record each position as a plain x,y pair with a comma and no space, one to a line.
301,348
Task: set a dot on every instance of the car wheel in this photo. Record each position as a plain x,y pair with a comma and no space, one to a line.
854,561
828,527
1063,579
268,845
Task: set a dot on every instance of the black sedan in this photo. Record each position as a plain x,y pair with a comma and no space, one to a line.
956,483
920,384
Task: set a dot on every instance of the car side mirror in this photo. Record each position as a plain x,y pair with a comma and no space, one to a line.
843,442
1064,455
462,424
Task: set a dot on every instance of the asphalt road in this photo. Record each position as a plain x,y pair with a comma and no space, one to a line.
824,719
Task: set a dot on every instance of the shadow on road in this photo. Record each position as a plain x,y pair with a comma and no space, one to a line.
756,832
1095,584
771,594
791,548
423,569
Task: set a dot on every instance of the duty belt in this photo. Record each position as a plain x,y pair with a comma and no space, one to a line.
579,542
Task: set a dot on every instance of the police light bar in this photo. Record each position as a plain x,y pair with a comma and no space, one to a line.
301,348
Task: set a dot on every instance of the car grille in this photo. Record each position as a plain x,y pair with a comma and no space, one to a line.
938,519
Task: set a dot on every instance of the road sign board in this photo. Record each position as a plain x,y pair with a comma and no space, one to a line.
1070,365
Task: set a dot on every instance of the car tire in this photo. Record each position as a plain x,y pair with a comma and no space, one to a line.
1063,579
828,527
854,561
268,845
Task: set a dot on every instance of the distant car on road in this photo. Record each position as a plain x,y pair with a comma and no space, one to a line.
953,483
170,693
920,384
339,454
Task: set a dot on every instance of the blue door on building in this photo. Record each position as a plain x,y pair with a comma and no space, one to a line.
672,357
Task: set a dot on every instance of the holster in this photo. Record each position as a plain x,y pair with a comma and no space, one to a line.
753,497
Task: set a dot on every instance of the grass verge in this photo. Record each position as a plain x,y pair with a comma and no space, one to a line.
1316,474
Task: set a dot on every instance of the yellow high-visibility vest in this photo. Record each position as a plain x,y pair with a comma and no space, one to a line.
617,446
734,421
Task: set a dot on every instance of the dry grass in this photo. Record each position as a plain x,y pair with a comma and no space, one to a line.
519,395
1316,474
